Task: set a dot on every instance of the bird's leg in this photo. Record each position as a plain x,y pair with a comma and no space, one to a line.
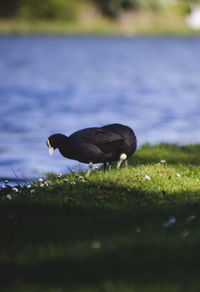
90,168
126,163
119,163
109,166
122,157
104,166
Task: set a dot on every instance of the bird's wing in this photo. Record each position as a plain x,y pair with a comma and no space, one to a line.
107,141
95,143
103,136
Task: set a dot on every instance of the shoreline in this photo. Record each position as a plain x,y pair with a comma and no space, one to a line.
141,24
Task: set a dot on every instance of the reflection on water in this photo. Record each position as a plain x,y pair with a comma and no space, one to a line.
62,84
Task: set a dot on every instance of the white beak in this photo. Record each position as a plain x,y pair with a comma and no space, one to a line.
51,151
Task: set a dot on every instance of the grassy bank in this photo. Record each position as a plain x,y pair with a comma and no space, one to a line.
134,229
93,23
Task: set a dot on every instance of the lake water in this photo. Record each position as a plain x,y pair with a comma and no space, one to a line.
62,84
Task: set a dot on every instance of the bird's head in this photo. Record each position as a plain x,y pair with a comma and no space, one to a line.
55,141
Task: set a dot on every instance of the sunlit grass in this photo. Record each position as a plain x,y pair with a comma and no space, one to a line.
89,22
134,229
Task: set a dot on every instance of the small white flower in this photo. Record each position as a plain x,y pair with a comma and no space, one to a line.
65,179
138,229
15,189
41,180
47,183
147,177
28,186
190,218
96,244
32,191
8,197
100,197
171,221
42,185
185,233
72,182
59,175
178,175
81,177
162,161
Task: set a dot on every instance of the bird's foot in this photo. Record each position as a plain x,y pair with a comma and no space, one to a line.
89,169
122,157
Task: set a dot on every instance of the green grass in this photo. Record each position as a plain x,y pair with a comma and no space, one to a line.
90,22
109,233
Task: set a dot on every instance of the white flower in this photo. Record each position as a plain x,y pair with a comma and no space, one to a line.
41,180
162,161
190,218
138,229
178,175
147,177
42,185
15,189
28,186
96,244
100,197
8,197
32,191
72,182
185,233
65,179
171,221
59,175
47,183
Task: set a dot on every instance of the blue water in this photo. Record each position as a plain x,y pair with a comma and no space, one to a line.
62,84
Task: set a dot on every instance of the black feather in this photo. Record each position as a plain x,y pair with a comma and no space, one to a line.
96,145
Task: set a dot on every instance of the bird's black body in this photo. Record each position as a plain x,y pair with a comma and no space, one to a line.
96,145
129,144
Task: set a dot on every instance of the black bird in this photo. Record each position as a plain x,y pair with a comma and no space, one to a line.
114,142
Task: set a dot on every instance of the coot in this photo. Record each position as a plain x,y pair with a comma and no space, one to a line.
114,142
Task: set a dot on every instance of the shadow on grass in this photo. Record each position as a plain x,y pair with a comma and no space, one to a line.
137,260
124,264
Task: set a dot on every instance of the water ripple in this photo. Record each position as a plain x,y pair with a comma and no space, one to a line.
62,84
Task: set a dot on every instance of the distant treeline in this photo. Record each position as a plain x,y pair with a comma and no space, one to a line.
68,9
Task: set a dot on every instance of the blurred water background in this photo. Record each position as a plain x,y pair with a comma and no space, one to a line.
60,84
